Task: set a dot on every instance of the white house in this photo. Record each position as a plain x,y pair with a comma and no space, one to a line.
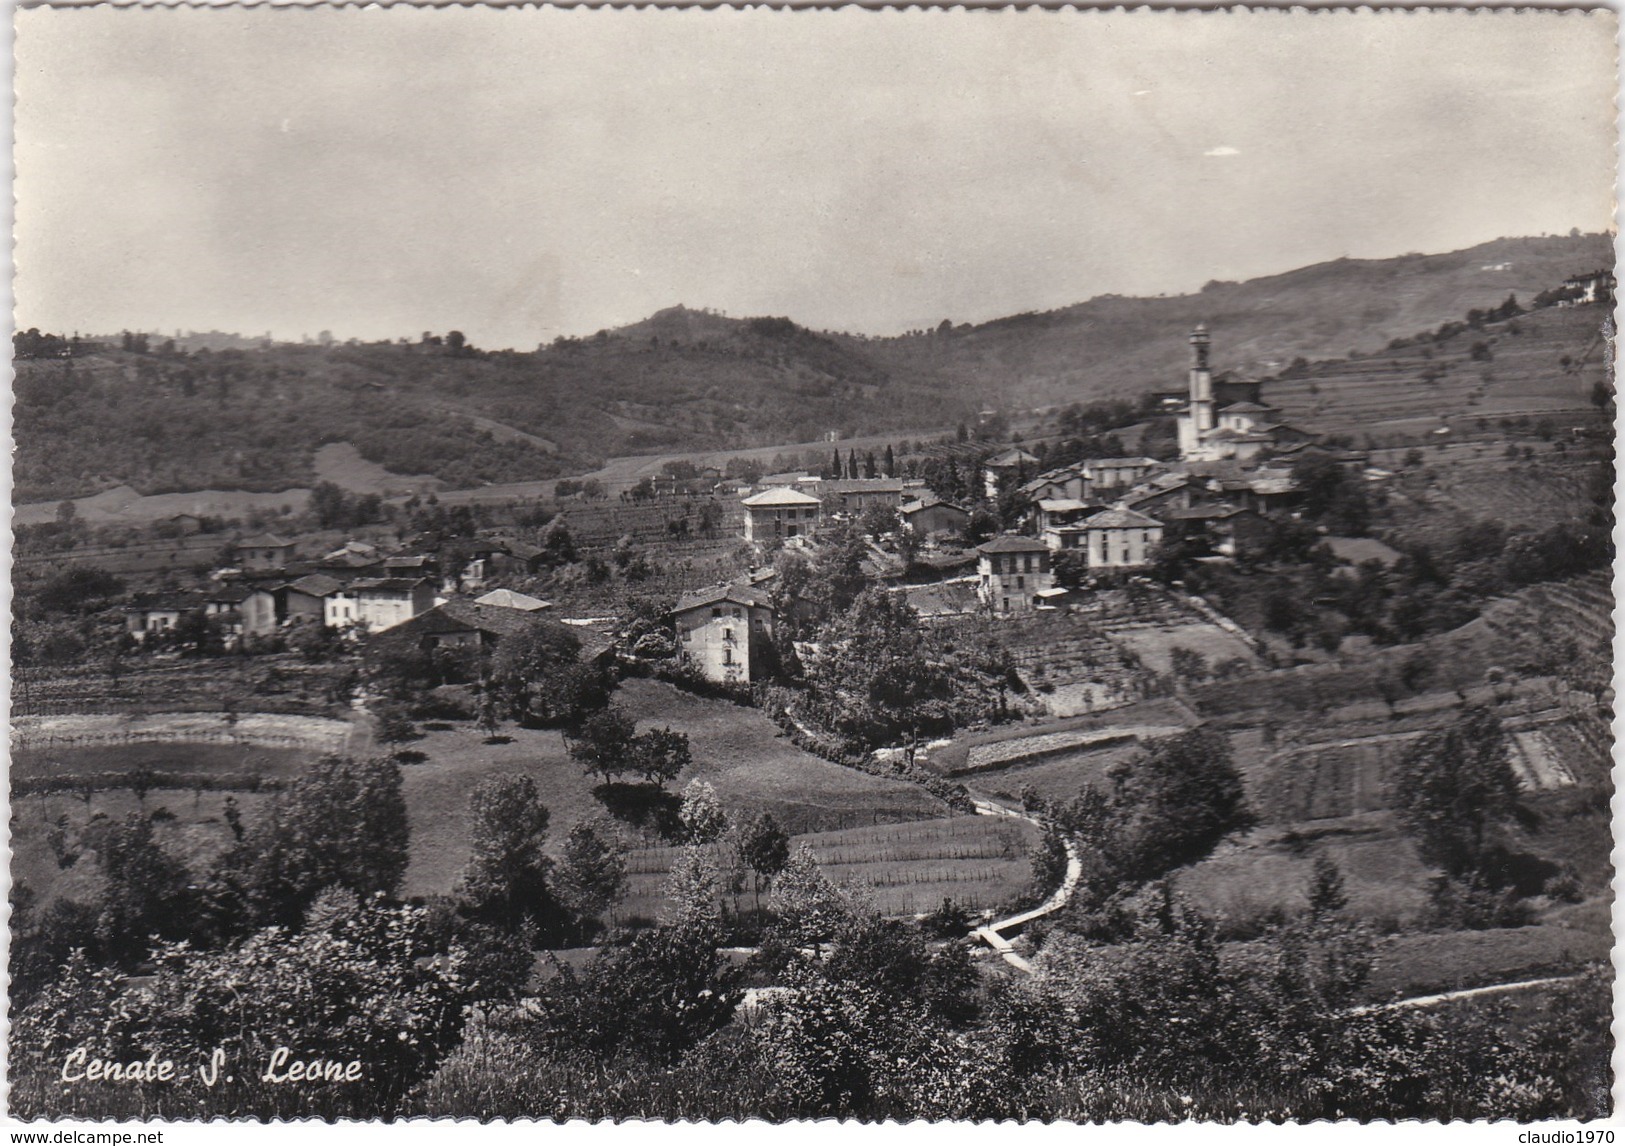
1011,571
779,514
1120,539
378,603
726,632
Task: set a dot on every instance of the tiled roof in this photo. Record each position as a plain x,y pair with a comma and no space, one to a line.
180,602
931,501
1120,463
1120,519
1246,408
263,541
386,584
508,599
1062,505
316,585
738,594
779,496
862,485
944,599
462,616
1010,543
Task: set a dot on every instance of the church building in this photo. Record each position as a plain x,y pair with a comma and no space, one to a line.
1226,418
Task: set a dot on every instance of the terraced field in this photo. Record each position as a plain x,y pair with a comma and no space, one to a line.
281,683
1411,388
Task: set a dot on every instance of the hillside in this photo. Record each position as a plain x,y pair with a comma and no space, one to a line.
691,380
253,420
1114,346
1532,366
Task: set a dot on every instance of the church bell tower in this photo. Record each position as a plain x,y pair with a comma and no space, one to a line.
1201,382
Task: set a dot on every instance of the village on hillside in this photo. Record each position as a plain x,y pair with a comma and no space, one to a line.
726,568
908,670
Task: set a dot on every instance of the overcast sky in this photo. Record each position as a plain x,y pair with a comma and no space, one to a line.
519,174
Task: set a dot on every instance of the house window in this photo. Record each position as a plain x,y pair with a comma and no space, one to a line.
756,624
716,612
727,656
1027,563
1021,582
1007,604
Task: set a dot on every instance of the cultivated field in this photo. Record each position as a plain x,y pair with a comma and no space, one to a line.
1155,645
1270,869
900,869
198,831
1520,370
737,750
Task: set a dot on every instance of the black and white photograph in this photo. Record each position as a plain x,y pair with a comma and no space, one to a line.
673,564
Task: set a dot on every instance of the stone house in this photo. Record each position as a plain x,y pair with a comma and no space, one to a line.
726,632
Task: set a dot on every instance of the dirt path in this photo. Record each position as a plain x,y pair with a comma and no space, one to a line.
991,933
1468,993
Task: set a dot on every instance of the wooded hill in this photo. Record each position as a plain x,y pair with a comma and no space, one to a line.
690,379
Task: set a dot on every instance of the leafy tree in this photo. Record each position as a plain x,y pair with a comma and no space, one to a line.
591,874
982,524
557,546
765,849
873,677
78,589
1166,807
343,823
489,714
1326,894
878,519
652,999
361,981
602,743
1330,494
810,909
506,878
693,886
661,754
146,893
528,667
704,821
1451,788
391,723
